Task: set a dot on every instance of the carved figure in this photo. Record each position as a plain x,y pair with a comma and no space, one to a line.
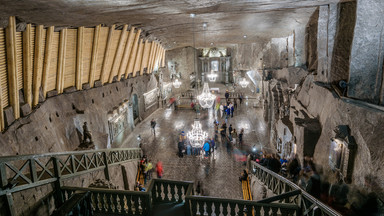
86,134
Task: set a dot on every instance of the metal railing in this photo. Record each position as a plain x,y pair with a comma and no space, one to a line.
289,192
23,172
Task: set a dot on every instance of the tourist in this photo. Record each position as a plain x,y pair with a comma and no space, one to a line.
153,125
212,145
244,176
226,95
221,110
241,136
232,110
241,99
235,103
148,171
206,148
139,187
143,162
159,169
189,149
180,146
293,168
234,136
197,108
228,114
230,132
182,137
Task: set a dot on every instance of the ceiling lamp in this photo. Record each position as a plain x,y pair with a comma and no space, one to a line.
212,76
176,83
206,98
244,83
197,136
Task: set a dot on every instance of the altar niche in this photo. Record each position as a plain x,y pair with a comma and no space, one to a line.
215,59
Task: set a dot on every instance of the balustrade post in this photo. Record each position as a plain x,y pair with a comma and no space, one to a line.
10,205
59,198
3,174
106,169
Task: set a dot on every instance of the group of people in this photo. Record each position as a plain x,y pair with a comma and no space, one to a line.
186,148
232,137
147,168
338,195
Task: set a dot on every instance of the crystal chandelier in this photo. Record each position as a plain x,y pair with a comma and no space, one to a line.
176,83
212,76
197,136
244,83
206,98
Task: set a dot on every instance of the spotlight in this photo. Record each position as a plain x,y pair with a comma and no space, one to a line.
192,15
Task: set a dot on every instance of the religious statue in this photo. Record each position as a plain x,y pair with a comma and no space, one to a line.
86,141
86,134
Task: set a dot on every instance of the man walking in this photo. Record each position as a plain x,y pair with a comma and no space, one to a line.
153,125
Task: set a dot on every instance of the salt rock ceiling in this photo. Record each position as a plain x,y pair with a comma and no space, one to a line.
169,20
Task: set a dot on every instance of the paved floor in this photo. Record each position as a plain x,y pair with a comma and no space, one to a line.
219,172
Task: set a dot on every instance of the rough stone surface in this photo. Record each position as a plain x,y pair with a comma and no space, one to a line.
343,42
52,93
9,118
170,22
181,60
322,44
300,51
70,89
333,21
25,109
366,65
97,84
332,112
53,126
86,86
311,41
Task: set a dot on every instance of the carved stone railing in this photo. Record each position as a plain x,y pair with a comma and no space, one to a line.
199,205
133,202
111,202
22,172
288,192
170,191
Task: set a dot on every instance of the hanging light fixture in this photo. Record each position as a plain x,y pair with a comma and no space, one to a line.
197,136
244,82
206,98
212,76
176,83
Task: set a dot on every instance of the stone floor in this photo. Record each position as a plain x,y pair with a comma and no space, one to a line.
219,173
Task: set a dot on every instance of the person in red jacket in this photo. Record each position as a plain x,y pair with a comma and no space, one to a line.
159,169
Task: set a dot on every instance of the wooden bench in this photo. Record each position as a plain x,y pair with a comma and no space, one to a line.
184,106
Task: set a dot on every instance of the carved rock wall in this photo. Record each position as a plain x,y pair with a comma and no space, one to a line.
54,126
319,102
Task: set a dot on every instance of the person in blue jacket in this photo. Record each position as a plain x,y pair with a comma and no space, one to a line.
206,148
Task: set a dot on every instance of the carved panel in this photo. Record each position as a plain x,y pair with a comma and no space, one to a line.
150,98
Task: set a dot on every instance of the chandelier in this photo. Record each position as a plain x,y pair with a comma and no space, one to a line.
212,76
244,83
206,98
176,83
197,136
